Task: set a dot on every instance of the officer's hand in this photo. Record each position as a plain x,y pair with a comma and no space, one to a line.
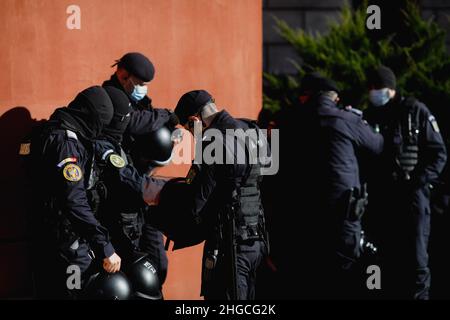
173,120
112,264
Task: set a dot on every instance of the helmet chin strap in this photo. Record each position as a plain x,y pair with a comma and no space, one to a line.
200,115
208,113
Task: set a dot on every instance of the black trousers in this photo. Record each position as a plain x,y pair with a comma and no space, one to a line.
55,269
403,231
216,281
152,243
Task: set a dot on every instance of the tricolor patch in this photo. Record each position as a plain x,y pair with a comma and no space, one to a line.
63,162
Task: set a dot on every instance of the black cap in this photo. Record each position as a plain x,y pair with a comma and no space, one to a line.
138,65
315,82
191,103
382,77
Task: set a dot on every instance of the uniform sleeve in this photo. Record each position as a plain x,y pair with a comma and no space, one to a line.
203,186
124,183
146,121
152,189
73,199
432,151
367,139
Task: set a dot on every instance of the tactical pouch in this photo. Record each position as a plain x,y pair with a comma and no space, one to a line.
357,203
209,265
130,225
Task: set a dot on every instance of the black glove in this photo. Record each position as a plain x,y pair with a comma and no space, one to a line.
173,120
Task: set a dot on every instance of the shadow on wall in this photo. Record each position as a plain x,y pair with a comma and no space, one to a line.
15,266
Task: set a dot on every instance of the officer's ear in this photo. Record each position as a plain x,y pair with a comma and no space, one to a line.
122,74
191,122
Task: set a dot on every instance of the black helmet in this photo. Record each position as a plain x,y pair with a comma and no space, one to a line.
156,147
314,82
174,218
144,279
191,103
108,286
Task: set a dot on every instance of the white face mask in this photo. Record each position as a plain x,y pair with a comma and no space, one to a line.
379,97
139,92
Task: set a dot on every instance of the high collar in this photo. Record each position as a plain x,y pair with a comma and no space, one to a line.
221,120
114,82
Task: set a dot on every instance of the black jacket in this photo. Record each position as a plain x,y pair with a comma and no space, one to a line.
432,151
144,118
67,160
213,182
341,139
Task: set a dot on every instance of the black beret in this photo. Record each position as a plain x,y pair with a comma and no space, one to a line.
382,77
316,82
190,103
138,65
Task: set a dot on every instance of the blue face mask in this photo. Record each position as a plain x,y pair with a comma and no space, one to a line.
139,92
379,97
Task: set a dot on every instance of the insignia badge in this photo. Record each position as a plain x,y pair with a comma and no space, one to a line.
434,124
63,162
191,175
24,149
117,161
72,172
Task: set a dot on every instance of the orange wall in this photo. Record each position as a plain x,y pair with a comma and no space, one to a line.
211,44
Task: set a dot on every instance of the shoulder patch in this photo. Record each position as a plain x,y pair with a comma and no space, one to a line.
72,172
117,161
63,162
24,149
434,123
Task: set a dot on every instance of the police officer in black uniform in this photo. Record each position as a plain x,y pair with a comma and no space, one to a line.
226,202
118,193
334,140
110,177
134,71
67,232
413,157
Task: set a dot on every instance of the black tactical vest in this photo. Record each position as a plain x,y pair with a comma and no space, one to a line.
407,132
104,203
250,213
